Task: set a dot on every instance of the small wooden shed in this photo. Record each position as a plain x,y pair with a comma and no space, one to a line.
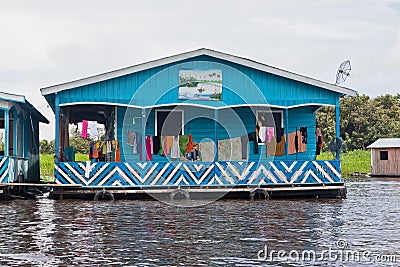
385,157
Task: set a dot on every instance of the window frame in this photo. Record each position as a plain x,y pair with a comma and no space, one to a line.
168,110
384,152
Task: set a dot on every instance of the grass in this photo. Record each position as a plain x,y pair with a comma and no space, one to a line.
352,162
47,166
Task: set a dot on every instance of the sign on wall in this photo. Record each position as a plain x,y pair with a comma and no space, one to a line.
200,84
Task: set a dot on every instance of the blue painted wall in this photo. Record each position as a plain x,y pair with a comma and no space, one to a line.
159,85
232,123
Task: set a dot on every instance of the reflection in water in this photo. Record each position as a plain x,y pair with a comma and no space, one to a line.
149,233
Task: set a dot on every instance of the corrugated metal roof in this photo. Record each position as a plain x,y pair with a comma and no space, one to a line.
385,143
24,103
199,52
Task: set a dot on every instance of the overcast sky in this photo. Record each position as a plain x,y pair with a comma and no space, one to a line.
49,42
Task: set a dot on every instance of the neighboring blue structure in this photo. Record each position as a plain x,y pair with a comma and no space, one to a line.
19,138
216,98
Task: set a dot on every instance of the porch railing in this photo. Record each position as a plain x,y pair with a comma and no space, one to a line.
144,174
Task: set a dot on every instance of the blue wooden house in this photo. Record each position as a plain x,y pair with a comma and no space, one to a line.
19,140
200,118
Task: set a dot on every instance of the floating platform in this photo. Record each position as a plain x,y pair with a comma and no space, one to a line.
60,192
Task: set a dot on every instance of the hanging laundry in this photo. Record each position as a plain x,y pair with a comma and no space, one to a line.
207,151
294,143
276,149
183,142
304,134
149,144
104,148
132,141
189,147
236,152
224,150
263,134
175,151
156,145
91,149
280,147
162,144
84,129
118,154
320,141
114,144
257,131
245,143
279,133
270,133
92,125
169,142
95,154
108,147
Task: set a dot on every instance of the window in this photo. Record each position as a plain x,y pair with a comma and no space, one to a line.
270,120
384,155
169,122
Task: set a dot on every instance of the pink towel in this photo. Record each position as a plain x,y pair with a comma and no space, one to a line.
149,149
270,133
84,129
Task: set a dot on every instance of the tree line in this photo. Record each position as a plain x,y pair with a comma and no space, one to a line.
79,144
363,120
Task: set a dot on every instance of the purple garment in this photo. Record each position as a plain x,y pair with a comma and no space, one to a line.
270,133
149,149
84,129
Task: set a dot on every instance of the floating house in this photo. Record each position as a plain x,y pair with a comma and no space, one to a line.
19,140
200,119
385,157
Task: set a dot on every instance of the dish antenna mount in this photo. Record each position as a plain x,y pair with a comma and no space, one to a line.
343,72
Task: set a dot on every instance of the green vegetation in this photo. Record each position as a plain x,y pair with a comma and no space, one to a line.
352,161
363,120
47,165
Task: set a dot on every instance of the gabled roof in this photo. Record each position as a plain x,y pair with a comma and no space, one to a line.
20,99
385,143
191,54
12,97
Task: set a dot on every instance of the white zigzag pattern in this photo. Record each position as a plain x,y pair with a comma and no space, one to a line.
265,173
4,175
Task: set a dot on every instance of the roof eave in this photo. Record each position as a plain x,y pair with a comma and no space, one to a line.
190,54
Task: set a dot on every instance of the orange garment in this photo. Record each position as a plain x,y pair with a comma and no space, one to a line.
291,143
189,147
280,147
170,142
95,154
276,149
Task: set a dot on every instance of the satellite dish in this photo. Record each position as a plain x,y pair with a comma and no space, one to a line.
343,72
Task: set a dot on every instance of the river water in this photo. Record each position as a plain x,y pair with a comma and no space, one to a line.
362,230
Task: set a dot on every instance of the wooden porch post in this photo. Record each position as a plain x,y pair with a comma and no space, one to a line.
337,113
